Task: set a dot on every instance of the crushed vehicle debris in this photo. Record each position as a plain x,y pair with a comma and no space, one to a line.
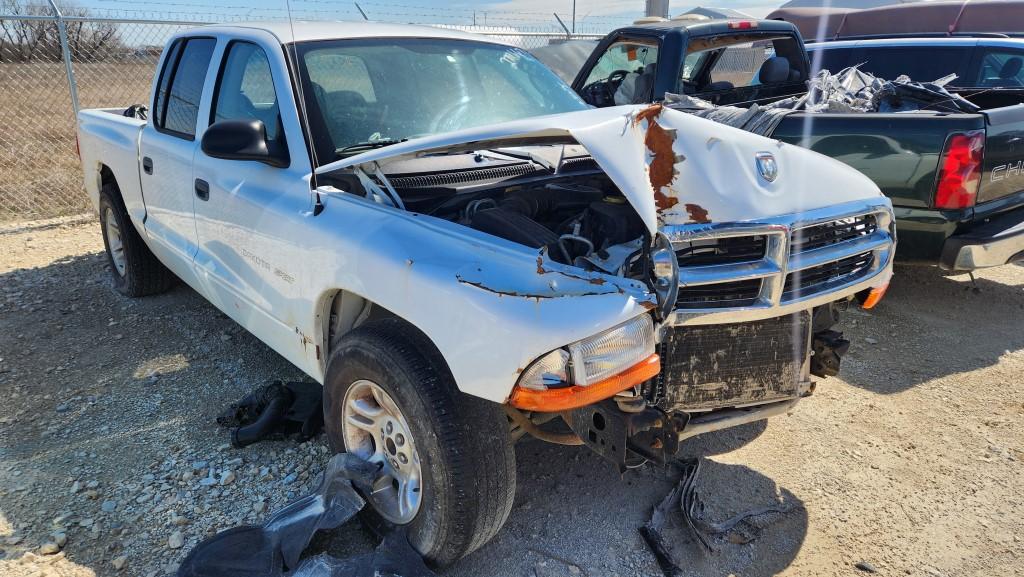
441,263
848,91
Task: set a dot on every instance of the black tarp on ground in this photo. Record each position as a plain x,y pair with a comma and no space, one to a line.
274,549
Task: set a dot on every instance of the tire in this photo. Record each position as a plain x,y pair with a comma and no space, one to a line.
466,459
135,271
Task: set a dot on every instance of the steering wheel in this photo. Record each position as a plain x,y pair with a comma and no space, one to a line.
602,92
443,121
615,79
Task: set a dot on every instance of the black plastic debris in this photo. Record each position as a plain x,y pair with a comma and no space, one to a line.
685,499
274,549
277,408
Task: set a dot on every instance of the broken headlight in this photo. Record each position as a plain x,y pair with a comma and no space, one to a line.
590,370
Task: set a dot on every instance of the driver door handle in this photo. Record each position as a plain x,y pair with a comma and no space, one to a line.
202,189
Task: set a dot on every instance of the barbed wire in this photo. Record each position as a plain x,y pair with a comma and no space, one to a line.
315,9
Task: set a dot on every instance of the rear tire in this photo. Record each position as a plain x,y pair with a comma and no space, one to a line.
135,271
462,447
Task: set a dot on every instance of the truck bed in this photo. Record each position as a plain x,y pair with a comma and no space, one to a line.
900,152
106,136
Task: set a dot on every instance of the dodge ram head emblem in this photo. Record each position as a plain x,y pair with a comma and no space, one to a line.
766,166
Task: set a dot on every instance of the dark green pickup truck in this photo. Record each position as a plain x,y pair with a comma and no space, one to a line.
956,180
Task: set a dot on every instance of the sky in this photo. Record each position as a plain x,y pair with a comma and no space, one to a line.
594,14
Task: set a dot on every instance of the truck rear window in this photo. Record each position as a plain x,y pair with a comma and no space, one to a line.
920,63
181,87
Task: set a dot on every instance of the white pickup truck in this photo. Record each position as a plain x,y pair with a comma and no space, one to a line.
438,230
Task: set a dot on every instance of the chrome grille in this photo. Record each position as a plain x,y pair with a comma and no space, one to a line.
737,271
813,279
832,232
741,293
721,250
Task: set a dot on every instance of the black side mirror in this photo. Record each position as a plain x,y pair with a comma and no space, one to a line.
243,140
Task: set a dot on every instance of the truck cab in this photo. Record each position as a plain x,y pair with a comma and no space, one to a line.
721,61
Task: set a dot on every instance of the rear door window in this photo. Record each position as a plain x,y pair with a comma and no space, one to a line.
179,113
1001,68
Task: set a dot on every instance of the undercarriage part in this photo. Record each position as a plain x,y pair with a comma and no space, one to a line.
276,408
524,422
617,436
829,347
728,418
709,367
630,401
827,316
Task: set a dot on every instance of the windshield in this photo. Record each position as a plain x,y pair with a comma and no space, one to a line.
362,94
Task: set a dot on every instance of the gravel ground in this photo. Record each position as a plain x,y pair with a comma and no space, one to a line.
111,463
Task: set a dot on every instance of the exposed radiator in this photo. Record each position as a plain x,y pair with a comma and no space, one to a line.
714,366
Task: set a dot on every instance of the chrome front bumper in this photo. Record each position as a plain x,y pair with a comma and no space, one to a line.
779,262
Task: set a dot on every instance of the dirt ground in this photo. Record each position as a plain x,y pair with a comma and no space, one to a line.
910,464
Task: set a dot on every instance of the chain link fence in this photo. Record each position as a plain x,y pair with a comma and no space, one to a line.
54,63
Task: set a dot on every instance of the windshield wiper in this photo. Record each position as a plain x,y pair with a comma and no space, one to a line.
368,145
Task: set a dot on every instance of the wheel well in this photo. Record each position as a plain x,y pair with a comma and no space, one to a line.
344,311
107,177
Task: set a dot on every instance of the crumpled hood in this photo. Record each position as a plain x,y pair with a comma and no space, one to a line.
673,168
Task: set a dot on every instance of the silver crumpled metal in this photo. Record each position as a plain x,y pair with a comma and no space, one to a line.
850,90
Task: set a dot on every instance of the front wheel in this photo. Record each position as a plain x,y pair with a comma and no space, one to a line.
447,464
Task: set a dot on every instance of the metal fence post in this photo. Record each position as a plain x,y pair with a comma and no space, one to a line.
62,31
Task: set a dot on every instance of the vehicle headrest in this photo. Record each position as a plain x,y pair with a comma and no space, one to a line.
1011,67
346,98
651,68
775,69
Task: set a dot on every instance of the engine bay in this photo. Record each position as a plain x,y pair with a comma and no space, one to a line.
582,222
578,218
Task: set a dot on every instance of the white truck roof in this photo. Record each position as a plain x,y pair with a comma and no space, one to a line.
302,31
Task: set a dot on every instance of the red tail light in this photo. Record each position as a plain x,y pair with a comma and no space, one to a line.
742,24
960,170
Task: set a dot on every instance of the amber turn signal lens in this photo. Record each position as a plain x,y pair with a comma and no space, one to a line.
573,397
874,296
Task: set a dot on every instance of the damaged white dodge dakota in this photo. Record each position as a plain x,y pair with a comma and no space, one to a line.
438,230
